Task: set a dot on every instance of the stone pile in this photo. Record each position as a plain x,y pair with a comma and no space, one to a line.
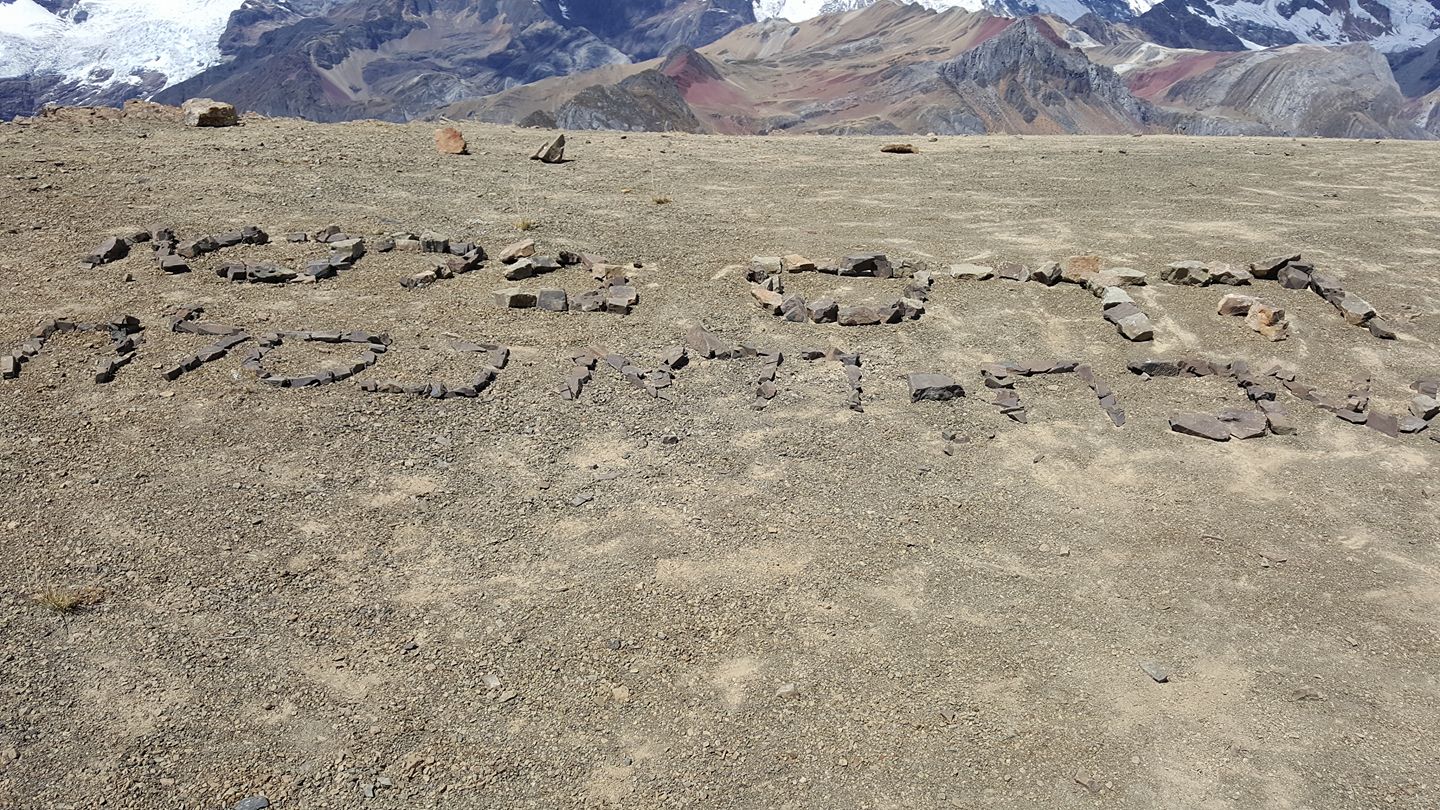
654,382
767,290
710,346
1088,272
497,357
770,360
194,248
1109,403
1268,320
124,334
372,347
613,293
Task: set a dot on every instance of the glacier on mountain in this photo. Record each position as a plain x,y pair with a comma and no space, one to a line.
1070,10
112,40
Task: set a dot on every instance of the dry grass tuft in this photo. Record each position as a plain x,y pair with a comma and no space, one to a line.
526,224
66,601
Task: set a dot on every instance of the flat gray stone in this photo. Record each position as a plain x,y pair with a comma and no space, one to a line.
514,299
1202,425
937,387
1269,268
824,310
1186,273
1233,276
1114,296
552,300
1355,309
969,272
1234,304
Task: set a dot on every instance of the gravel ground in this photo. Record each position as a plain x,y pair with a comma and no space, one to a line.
333,599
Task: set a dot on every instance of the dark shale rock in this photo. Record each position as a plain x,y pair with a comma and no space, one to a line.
927,386
1202,425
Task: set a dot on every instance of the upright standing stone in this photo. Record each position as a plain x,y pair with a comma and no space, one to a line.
553,152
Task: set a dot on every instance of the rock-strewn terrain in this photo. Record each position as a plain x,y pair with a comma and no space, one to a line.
217,589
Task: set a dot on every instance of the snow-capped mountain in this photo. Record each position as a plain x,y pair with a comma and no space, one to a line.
124,41
1070,10
283,56
1389,25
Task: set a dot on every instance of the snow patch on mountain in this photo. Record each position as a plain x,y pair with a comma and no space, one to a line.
1412,22
797,10
113,40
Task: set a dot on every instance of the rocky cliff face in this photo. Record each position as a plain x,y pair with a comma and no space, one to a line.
647,101
1186,24
1424,112
1030,73
644,29
1343,92
1417,70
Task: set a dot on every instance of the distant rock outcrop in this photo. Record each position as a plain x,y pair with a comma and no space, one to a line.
1338,92
1417,70
646,101
1029,73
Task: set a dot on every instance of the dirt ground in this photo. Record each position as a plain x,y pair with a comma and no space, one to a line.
333,599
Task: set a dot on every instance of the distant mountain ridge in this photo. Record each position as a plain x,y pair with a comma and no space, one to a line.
328,59
901,70
1390,25
838,66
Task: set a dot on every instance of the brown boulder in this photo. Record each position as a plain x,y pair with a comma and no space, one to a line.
449,141
1233,304
1268,321
207,112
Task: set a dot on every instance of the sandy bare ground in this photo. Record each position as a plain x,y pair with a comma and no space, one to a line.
332,598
